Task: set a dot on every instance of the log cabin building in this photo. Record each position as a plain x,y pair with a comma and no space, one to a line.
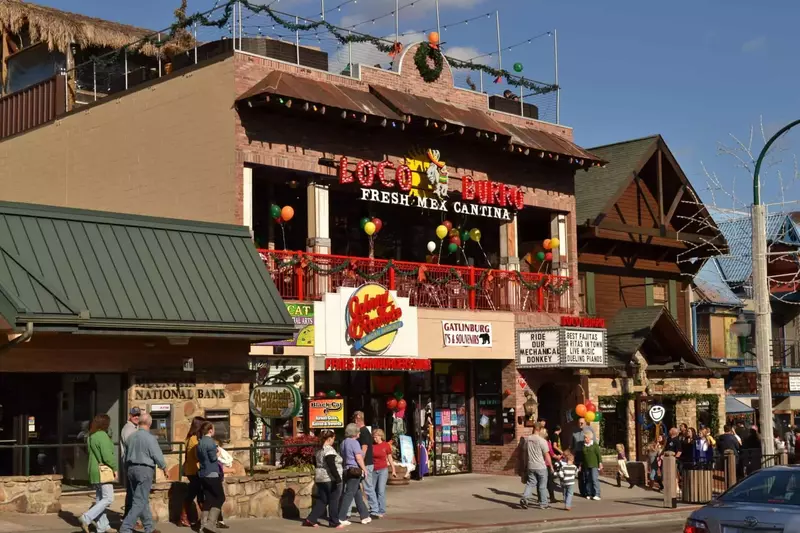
642,235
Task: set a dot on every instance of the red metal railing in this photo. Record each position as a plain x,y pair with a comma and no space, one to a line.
32,106
307,276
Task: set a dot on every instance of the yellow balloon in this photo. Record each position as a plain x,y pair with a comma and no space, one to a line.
475,234
589,416
369,228
441,231
554,242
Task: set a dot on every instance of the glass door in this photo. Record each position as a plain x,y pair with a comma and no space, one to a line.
451,419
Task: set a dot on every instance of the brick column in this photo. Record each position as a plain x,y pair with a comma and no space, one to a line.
319,238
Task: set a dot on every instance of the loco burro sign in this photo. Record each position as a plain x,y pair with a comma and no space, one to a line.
563,347
369,320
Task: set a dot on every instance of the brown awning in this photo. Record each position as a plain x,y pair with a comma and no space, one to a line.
547,142
420,106
327,94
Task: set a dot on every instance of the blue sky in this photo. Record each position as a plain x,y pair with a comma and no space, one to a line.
693,71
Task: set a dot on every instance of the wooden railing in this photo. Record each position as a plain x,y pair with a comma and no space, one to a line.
32,106
306,276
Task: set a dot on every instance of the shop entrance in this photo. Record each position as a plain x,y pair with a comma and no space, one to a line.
44,421
550,407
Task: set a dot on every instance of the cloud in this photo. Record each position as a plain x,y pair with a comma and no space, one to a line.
410,10
757,44
464,53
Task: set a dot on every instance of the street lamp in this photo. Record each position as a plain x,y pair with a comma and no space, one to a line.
761,297
742,329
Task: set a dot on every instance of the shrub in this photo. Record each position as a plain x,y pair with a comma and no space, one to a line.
299,452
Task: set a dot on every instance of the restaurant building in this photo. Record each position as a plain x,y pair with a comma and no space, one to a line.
345,183
104,311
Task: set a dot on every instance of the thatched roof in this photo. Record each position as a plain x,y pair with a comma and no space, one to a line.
60,28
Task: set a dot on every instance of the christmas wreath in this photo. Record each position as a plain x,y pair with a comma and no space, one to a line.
425,52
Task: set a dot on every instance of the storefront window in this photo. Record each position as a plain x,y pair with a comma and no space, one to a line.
488,403
221,418
450,419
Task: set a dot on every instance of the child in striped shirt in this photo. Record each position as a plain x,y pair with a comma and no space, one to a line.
567,475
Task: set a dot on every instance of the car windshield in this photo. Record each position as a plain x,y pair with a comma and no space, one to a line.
773,487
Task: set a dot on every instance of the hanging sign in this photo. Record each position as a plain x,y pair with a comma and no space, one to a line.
275,401
794,382
423,182
657,413
303,316
326,413
469,334
377,363
538,348
373,319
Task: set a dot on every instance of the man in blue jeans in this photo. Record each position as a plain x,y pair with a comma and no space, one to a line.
535,455
365,439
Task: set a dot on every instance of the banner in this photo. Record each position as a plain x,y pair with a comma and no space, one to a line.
469,334
326,413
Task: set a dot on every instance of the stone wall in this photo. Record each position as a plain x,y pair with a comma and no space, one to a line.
30,494
273,495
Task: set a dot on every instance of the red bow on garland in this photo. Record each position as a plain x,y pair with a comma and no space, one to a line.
421,274
396,49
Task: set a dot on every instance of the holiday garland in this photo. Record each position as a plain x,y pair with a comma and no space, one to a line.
282,264
179,38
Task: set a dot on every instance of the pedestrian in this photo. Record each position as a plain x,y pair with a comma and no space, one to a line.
592,465
128,429
622,466
797,444
535,455
780,445
382,456
328,480
741,431
751,452
554,460
653,451
789,439
703,452
210,478
709,437
577,451
567,474
189,515
102,473
365,439
224,460
354,472
142,457
687,448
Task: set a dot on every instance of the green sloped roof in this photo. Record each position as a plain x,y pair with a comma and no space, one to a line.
67,268
595,189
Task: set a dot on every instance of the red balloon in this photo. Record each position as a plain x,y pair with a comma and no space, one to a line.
321,394
278,220
401,404
378,224
590,406
447,224
548,256
391,404
455,239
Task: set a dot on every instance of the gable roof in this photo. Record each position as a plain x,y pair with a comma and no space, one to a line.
596,190
737,265
70,269
647,329
712,288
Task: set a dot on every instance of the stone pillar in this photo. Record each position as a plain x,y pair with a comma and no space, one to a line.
247,199
509,250
669,473
319,238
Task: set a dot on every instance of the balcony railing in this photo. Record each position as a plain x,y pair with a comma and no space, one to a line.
785,354
307,276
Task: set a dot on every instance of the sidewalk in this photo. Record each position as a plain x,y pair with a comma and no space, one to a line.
450,503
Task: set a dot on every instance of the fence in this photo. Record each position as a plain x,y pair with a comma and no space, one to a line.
32,106
306,276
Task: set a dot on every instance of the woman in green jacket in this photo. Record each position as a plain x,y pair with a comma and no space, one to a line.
101,452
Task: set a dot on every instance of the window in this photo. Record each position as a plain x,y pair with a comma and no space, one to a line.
771,487
221,418
582,292
660,294
488,403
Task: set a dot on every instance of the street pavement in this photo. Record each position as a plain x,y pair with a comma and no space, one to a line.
480,503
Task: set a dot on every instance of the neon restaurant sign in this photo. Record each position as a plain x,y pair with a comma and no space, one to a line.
423,182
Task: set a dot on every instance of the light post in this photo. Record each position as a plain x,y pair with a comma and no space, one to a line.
762,304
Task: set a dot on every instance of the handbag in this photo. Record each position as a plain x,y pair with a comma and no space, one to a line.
106,474
353,471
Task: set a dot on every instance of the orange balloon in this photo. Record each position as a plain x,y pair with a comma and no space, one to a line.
546,244
580,410
287,213
433,38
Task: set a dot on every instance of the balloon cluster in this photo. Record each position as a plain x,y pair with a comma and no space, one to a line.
396,402
281,214
588,411
549,244
329,394
371,226
457,236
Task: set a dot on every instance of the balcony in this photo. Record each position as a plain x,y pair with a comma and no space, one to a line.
785,354
306,276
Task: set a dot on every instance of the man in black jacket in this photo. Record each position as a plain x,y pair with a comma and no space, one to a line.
727,441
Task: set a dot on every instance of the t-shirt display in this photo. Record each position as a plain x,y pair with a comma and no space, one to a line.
450,424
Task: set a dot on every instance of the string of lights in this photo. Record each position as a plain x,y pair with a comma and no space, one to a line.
515,45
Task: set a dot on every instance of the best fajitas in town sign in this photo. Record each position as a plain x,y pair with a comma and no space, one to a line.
423,182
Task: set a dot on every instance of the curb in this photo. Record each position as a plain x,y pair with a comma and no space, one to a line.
567,523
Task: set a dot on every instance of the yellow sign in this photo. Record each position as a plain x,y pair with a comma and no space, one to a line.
373,319
326,413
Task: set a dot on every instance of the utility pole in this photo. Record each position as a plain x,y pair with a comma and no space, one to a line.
762,303
558,89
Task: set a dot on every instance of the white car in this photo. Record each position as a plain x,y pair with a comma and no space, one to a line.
767,501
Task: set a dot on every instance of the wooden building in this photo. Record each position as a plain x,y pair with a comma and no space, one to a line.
642,235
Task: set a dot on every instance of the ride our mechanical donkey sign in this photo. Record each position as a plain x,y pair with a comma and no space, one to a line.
566,346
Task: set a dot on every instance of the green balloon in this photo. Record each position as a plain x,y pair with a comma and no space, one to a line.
464,236
331,394
363,222
540,256
452,247
398,395
275,210
517,67
598,417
